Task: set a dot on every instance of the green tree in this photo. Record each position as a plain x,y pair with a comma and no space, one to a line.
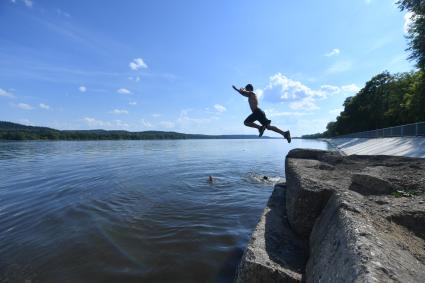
416,33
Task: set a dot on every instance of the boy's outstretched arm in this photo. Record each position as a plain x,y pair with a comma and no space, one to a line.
242,91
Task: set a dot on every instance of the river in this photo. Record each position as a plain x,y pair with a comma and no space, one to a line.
133,211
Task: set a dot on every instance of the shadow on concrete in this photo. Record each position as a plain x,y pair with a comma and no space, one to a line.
282,245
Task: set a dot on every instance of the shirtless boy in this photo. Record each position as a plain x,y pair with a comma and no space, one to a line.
258,114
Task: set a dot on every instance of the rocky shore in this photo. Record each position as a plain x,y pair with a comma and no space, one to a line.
341,219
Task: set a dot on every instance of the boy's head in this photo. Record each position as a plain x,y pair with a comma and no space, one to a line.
249,87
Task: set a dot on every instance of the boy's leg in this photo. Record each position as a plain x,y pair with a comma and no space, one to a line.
275,129
252,125
286,135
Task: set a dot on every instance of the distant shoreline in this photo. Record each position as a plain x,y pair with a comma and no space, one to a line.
17,132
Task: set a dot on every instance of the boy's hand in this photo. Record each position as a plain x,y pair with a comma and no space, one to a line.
235,88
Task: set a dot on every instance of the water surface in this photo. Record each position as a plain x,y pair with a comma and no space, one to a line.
133,211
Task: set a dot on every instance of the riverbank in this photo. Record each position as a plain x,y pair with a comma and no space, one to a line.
341,219
398,146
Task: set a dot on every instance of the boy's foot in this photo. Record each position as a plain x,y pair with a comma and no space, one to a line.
261,130
287,136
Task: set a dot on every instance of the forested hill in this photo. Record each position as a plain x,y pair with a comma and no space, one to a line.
13,131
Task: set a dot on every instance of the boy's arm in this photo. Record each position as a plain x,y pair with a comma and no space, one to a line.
242,91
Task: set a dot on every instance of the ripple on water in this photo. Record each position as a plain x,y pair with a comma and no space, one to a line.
132,211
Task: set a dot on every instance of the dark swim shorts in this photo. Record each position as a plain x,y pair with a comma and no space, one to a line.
260,116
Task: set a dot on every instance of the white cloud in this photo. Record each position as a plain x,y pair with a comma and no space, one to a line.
350,88
300,96
260,93
62,13
132,103
82,88
336,111
123,91
137,64
329,89
25,121
28,3
166,124
24,106
119,111
219,108
136,79
368,1
44,106
116,124
281,87
273,113
339,67
307,104
5,93
408,20
156,115
333,52
146,124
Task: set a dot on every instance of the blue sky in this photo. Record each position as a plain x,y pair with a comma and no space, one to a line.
170,65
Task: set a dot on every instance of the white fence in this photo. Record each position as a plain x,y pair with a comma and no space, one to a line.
409,130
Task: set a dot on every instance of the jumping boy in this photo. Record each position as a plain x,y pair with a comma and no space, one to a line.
258,114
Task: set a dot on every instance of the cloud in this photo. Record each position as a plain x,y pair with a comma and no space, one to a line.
350,88
219,108
119,112
336,111
136,79
307,104
146,124
333,52
5,93
123,91
63,13
28,3
156,115
273,113
408,20
368,1
82,88
116,124
301,97
44,106
132,103
137,64
339,67
24,106
166,124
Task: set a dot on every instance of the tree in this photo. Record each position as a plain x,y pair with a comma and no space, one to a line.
416,33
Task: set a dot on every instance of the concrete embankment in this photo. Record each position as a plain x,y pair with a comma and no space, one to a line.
341,219
400,146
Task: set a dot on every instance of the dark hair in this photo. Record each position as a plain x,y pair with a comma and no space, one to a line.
249,87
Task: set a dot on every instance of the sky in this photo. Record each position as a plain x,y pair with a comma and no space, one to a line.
169,65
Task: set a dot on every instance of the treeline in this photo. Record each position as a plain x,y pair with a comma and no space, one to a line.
13,131
388,99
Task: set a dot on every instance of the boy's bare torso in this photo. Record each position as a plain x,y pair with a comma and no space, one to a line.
253,101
